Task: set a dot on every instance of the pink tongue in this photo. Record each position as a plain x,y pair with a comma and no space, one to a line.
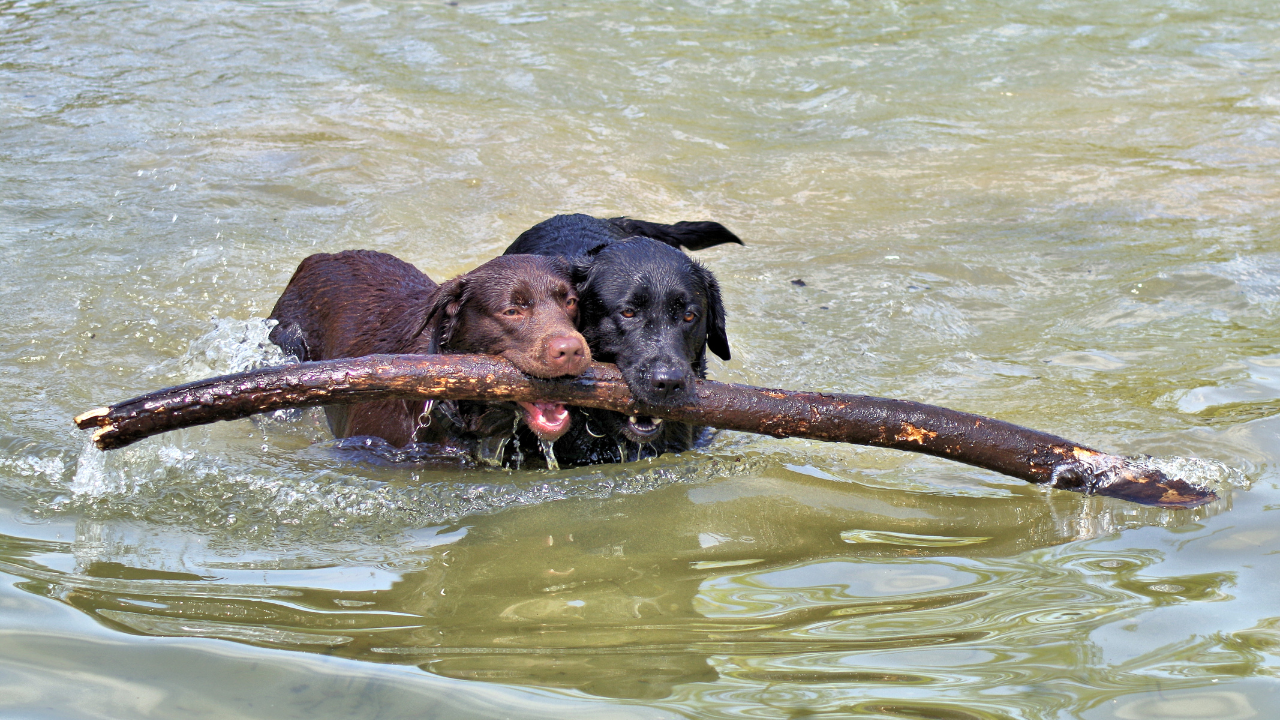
547,420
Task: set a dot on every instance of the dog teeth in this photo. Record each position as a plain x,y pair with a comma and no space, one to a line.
656,421
633,419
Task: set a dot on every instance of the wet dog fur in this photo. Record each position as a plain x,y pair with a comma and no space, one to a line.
645,306
361,302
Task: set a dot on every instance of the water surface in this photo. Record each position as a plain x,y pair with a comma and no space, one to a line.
1061,214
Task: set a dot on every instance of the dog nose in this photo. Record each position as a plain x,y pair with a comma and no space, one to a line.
567,355
667,383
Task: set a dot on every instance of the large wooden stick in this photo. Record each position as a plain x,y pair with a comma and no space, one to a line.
992,444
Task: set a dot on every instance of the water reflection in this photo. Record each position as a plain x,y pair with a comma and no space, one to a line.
763,578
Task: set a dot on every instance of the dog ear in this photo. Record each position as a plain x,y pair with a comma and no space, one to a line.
580,271
580,268
441,319
717,337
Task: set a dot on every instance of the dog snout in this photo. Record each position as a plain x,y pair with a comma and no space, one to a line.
567,355
668,383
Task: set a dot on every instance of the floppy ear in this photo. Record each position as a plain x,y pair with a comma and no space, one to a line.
441,318
580,271
580,268
717,337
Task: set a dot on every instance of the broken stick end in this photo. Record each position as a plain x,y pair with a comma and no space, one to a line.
1118,477
94,418
101,437
1149,486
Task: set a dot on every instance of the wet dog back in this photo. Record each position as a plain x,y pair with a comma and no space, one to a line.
578,234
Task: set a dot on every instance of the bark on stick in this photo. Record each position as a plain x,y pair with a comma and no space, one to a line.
903,425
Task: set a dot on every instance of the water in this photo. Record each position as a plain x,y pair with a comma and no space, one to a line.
549,452
1060,214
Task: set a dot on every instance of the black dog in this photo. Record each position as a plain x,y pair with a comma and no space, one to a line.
645,306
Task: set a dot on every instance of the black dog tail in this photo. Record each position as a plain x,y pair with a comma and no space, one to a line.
697,235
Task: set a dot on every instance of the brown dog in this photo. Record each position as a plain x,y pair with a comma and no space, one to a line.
361,302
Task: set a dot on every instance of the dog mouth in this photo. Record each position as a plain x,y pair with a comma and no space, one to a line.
642,428
547,420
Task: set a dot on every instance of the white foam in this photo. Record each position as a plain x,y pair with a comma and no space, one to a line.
1201,473
232,346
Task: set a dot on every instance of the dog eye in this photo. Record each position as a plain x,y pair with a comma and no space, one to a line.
690,316
628,313
511,312
571,302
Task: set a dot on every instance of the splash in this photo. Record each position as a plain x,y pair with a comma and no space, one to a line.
549,452
517,457
1204,474
317,496
1104,470
39,466
91,472
489,450
134,473
232,346
235,346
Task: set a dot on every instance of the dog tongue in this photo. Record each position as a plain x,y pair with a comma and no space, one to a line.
547,420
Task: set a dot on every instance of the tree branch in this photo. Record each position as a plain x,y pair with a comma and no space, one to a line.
991,444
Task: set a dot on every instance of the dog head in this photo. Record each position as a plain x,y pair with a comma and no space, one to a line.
520,307
654,312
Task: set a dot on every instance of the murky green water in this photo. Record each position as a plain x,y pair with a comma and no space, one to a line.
1061,214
